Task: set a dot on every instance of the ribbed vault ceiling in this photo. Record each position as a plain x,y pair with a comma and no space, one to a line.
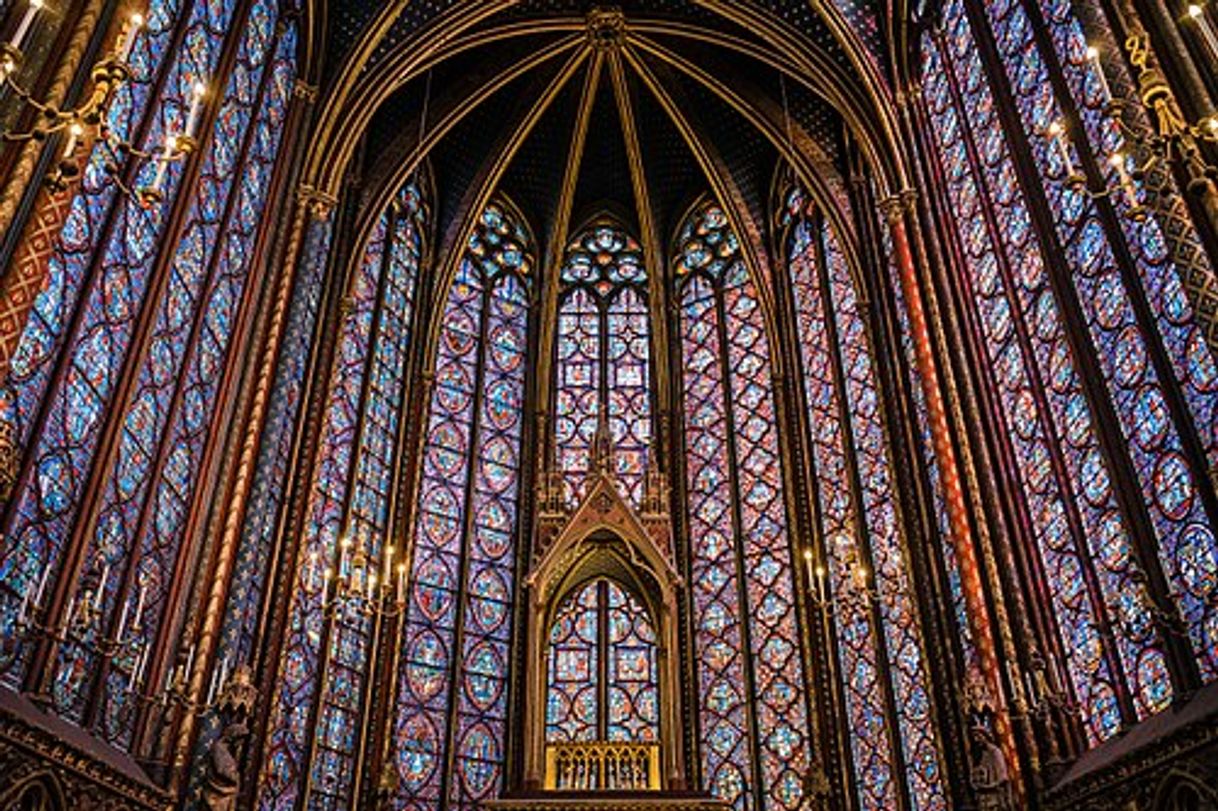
572,109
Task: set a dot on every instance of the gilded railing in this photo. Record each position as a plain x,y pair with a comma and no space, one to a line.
603,766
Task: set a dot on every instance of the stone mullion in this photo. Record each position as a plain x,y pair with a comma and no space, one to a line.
683,542
533,461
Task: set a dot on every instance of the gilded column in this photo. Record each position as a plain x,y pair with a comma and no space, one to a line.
14,186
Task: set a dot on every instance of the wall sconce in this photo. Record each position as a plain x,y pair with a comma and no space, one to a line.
107,75
358,585
1171,138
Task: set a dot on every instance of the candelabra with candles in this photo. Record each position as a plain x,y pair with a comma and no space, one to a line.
857,585
74,124
358,586
1140,149
80,623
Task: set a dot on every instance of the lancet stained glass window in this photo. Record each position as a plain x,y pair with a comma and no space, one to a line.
116,380
319,697
750,672
887,687
1135,315
603,357
1112,647
602,668
451,710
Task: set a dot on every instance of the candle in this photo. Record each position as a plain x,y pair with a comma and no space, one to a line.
1203,25
139,606
190,659
1093,54
196,105
74,133
137,673
122,621
387,568
311,572
345,546
1058,133
401,582
42,585
23,27
211,688
371,585
134,23
68,618
163,164
1131,191
101,589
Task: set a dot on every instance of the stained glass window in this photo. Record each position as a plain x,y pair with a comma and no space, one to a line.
602,668
115,384
1082,536
1114,298
603,357
319,698
450,717
249,586
886,684
753,714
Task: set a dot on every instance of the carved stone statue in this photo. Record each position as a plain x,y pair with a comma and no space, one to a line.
223,784
387,786
989,776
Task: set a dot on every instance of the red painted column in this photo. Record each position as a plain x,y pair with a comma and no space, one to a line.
897,210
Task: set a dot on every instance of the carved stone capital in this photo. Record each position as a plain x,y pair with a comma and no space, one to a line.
895,207
304,91
318,203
